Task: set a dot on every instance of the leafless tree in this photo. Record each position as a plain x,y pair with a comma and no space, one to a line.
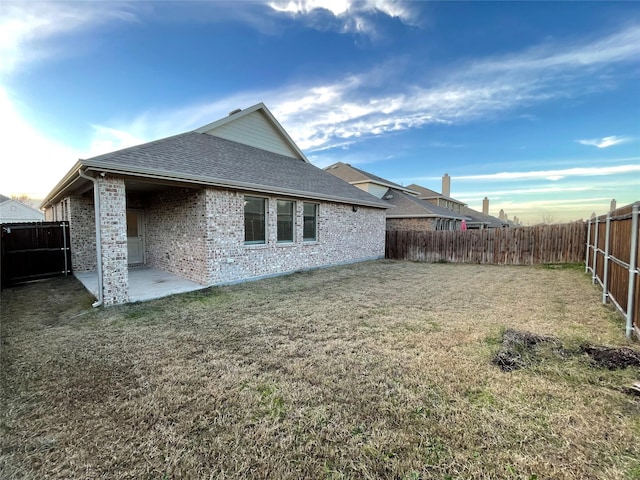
547,218
22,198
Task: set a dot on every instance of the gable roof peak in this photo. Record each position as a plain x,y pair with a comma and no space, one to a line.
239,115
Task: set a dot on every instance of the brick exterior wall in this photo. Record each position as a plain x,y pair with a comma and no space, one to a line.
415,223
80,213
175,232
82,230
344,236
113,229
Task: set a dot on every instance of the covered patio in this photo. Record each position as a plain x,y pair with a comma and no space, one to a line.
145,283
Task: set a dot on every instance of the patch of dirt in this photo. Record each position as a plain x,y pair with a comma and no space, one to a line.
521,349
612,358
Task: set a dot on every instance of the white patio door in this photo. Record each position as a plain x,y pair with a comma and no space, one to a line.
135,237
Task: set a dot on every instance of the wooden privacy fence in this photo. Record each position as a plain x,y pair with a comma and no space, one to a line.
500,246
29,251
612,258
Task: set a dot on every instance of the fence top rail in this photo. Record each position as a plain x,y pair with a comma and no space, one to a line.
621,213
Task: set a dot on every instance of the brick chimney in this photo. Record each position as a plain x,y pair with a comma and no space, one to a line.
446,185
485,206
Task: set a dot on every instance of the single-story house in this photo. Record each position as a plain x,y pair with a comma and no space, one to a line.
407,210
12,211
231,201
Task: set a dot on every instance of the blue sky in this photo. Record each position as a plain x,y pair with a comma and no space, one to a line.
534,105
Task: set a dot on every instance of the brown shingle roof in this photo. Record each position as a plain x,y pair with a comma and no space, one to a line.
351,174
407,205
204,159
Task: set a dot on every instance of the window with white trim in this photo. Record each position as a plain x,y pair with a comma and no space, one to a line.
255,220
286,210
310,222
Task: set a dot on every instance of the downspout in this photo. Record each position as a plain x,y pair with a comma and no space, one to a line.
96,203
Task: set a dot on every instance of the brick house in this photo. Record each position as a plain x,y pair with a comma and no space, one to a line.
407,210
231,201
474,219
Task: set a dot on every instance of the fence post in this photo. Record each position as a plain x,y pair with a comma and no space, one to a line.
586,259
632,268
605,279
64,248
595,252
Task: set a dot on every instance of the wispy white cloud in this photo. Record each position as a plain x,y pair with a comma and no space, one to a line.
351,16
27,29
557,174
604,142
322,114
325,115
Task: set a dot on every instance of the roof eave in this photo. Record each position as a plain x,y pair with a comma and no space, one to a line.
222,183
62,185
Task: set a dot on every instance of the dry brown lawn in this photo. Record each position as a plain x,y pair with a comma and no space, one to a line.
376,370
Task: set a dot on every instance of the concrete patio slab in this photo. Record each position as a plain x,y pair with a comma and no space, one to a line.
145,283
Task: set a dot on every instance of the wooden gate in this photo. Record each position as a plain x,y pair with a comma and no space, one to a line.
30,251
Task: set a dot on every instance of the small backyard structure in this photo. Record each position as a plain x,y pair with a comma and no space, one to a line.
231,201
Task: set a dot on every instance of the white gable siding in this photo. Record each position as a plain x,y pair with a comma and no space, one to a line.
12,211
255,130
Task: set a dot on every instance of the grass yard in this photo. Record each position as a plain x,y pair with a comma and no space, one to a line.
377,370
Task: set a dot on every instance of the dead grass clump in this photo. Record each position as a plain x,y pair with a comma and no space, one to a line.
521,349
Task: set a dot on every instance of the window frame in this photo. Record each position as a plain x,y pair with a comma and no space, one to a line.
316,215
265,220
292,214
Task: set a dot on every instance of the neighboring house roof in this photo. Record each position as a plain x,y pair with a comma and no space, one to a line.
356,176
204,157
482,218
410,206
4,198
12,211
424,192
